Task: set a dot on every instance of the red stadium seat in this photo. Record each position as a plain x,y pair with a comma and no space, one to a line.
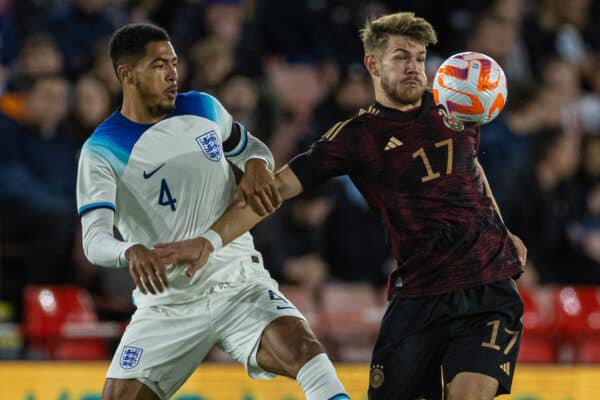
538,342
350,318
60,322
578,321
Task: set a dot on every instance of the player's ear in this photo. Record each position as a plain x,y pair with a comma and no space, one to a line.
124,74
371,64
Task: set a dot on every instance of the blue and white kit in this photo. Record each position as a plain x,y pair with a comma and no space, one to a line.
166,182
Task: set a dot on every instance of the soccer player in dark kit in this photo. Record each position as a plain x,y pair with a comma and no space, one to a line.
452,329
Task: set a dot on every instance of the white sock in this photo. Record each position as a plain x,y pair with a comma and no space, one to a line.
318,380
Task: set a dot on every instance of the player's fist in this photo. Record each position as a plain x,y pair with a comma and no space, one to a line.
146,269
257,188
194,252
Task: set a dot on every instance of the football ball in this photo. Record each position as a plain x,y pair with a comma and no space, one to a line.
470,87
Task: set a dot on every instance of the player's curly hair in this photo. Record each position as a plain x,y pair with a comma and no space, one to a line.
375,33
128,43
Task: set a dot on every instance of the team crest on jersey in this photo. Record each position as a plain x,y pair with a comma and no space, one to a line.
130,357
451,123
210,145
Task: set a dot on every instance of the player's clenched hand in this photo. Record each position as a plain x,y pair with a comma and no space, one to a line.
148,273
194,252
521,248
257,188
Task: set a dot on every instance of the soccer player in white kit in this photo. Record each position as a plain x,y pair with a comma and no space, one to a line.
158,170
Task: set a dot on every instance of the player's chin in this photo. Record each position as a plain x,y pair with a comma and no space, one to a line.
168,105
411,95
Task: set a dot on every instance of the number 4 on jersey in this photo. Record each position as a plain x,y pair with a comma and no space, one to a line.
165,198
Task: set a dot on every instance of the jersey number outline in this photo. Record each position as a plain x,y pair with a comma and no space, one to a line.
431,175
495,324
165,198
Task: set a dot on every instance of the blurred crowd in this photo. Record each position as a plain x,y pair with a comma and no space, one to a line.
288,70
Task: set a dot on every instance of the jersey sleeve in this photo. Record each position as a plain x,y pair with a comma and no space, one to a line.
239,145
328,157
96,183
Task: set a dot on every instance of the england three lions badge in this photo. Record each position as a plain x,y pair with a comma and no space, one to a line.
210,144
130,357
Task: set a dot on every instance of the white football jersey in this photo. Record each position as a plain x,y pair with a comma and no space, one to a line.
166,182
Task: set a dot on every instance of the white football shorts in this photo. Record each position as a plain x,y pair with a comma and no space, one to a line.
163,345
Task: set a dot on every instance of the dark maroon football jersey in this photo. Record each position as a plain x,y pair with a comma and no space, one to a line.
418,172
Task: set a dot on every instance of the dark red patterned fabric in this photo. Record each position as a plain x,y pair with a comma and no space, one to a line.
420,177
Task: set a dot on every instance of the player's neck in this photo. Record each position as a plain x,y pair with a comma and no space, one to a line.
135,110
389,103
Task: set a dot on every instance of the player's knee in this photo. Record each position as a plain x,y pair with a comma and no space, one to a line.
126,389
471,386
304,350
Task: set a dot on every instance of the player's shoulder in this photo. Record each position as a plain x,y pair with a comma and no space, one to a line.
115,135
104,133
349,127
198,103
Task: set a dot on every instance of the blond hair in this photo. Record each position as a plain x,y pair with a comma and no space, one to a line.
375,33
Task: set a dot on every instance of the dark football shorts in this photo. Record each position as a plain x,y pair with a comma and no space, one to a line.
425,342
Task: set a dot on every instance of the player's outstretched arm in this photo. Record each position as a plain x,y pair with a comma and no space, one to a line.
517,242
232,224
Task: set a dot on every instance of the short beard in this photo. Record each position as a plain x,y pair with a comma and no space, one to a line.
156,108
396,96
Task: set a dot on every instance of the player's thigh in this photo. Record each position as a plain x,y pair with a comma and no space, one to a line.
487,340
471,386
287,343
127,389
163,345
407,355
243,316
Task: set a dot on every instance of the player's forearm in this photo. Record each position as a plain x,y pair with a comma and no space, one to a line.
252,148
488,188
99,244
237,221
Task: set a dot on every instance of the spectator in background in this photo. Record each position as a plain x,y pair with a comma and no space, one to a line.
39,56
292,241
103,69
541,202
498,37
9,43
90,105
37,181
211,60
505,142
299,88
78,26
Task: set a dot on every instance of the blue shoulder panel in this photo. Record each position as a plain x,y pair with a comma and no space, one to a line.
114,139
200,104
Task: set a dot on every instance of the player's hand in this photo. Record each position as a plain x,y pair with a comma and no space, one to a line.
148,273
194,252
521,248
257,188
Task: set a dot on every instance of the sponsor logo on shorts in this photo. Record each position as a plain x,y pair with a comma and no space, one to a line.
130,357
376,376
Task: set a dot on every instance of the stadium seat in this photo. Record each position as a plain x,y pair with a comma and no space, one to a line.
578,321
538,342
60,322
350,318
